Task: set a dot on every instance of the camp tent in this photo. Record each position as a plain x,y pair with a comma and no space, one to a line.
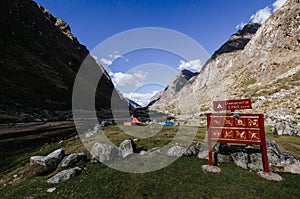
169,123
133,121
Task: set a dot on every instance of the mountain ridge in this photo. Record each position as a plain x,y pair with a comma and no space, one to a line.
40,58
266,68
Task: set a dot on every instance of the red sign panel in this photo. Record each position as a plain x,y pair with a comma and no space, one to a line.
245,129
232,104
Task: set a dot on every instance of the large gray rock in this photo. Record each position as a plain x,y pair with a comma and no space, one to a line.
270,176
65,175
126,148
104,153
51,160
278,160
176,151
211,169
284,122
240,159
203,150
73,159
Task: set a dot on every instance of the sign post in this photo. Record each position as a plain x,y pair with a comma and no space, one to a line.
241,129
232,105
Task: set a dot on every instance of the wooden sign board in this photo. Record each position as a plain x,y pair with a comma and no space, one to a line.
232,105
246,129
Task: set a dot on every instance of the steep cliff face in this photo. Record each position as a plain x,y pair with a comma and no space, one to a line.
174,87
266,67
239,40
39,59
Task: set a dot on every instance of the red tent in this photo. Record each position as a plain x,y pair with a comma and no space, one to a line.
134,120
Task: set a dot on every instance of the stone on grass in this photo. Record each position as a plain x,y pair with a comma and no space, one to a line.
203,150
270,176
240,159
104,153
176,151
126,148
211,169
224,158
73,159
50,190
65,175
190,151
51,160
278,160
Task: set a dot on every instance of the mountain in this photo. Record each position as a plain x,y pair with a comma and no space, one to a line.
39,60
239,40
175,85
132,104
261,63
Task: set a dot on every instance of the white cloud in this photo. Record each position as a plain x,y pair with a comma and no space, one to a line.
105,61
277,4
261,15
240,26
141,98
193,65
112,57
124,79
140,74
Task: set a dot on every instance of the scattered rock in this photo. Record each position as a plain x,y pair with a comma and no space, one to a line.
104,153
126,148
176,151
224,158
73,159
50,190
51,160
90,133
211,169
190,151
278,160
65,175
240,159
143,153
270,176
283,122
203,150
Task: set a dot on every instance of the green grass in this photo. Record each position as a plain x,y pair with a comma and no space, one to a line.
182,179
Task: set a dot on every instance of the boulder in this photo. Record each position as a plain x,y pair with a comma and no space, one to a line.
96,130
104,153
284,122
224,158
211,169
73,159
176,151
190,151
203,150
278,160
65,175
270,176
51,160
126,148
240,159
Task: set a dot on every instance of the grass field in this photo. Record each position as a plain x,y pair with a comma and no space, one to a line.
182,179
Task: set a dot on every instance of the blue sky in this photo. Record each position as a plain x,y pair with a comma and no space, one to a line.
208,22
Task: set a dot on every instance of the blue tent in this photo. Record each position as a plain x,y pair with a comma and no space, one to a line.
169,123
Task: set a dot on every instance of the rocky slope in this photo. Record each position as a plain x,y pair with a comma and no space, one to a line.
266,70
39,59
175,85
